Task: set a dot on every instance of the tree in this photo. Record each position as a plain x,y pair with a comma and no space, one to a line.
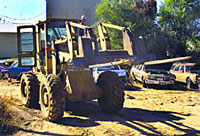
180,18
135,14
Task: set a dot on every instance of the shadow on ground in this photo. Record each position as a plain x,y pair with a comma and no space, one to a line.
137,86
41,133
88,114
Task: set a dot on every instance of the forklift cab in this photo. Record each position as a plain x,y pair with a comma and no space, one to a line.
34,42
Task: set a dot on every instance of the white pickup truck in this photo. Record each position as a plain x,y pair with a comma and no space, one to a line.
120,72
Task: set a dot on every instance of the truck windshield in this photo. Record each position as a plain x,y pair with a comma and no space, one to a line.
108,68
56,29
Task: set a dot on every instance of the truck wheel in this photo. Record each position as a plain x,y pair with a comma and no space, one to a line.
132,75
190,84
113,92
144,83
131,80
30,90
52,98
9,79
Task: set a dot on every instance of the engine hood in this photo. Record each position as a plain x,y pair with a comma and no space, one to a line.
156,71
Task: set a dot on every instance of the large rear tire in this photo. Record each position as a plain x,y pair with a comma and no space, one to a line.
30,90
112,99
52,98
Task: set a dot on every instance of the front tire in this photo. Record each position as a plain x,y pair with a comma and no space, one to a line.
30,90
113,92
52,98
144,83
190,84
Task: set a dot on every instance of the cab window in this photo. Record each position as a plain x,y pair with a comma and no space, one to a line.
182,68
137,67
177,68
140,67
188,68
172,68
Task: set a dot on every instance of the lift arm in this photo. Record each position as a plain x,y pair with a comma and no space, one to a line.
128,43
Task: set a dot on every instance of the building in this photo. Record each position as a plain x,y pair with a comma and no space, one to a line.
72,9
54,8
8,41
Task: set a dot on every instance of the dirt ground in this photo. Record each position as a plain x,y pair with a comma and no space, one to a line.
146,111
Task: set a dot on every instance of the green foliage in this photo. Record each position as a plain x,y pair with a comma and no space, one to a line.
175,33
126,13
161,44
180,18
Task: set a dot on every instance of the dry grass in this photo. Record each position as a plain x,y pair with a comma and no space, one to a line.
8,120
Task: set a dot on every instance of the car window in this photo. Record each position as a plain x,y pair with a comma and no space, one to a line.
182,68
177,68
187,68
15,65
173,66
2,66
137,66
140,67
108,68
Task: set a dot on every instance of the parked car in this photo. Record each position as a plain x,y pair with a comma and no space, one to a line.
1,75
120,72
3,71
16,72
149,75
187,73
6,63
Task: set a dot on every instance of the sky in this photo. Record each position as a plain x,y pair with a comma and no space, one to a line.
22,11
26,11
159,3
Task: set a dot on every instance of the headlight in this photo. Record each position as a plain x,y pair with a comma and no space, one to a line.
151,77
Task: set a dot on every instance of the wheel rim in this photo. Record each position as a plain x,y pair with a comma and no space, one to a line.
45,98
144,84
188,83
24,89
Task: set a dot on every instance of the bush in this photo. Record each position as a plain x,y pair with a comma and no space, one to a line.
7,119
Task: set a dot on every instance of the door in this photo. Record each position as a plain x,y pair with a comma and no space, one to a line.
177,73
182,74
26,40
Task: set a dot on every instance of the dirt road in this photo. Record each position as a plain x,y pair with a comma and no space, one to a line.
146,112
